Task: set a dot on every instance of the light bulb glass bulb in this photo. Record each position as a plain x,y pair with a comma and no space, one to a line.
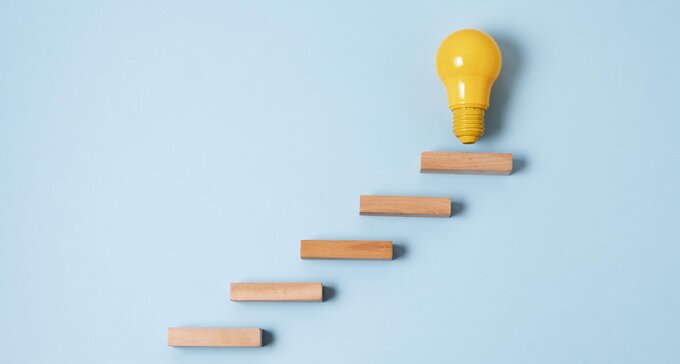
468,62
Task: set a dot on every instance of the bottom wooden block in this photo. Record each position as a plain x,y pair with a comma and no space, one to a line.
245,338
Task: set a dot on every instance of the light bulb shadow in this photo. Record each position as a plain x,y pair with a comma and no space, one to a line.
505,86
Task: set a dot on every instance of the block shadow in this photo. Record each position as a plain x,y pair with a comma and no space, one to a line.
457,208
518,165
328,293
267,338
398,251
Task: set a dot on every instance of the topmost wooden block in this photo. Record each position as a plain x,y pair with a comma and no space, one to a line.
466,163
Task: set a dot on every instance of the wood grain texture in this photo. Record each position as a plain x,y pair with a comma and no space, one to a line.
346,249
405,206
466,163
216,337
273,292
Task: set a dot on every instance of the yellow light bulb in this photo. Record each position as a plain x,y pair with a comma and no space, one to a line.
468,63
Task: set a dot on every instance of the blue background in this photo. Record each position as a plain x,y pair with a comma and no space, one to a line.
153,152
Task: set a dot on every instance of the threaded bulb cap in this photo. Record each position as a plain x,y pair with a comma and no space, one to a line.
468,124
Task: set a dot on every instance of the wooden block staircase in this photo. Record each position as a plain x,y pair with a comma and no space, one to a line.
406,206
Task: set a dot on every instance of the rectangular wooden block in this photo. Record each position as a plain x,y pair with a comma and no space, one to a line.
346,249
405,206
282,292
246,338
466,163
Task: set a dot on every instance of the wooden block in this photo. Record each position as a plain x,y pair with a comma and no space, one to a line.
466,163
246,338
282,292
346,249
405,206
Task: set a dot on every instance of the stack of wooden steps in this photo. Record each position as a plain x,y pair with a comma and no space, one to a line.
430,162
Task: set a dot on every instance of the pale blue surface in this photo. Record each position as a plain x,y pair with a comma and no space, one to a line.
153,152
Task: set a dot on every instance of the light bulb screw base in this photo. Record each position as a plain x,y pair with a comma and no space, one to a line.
468,124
